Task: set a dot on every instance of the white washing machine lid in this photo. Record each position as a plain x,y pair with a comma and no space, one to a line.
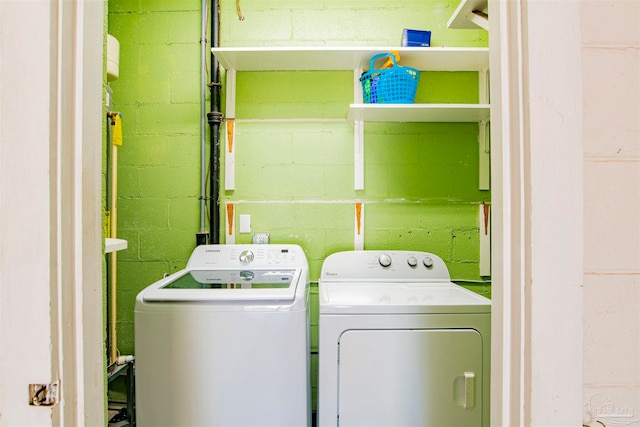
226,286
399,298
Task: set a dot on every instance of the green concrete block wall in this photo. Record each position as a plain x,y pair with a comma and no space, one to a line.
295,178
158,164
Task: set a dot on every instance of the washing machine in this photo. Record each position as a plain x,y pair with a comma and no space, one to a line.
225,341
400,344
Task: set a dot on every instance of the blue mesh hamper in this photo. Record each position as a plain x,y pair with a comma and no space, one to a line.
395,85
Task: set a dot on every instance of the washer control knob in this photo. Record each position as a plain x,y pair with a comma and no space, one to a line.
384,260
246,257
428,262
412,261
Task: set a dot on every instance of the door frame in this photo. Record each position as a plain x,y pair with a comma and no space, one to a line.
536,157
78,327
51,317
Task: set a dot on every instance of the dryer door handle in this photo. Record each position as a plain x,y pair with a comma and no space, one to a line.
469,390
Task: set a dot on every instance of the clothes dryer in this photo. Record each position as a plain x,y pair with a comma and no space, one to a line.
225,341
400,344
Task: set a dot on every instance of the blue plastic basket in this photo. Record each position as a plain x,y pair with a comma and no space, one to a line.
395,85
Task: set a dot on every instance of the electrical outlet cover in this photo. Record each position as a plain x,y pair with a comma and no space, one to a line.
261,238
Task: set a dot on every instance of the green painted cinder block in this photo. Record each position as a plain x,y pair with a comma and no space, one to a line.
125,334
184,26
284,94
170,5
335,24
124,26
168,119
167,150
126,305
463,270
154,87
352,22
142,27
135,276
256,29
184,150
143,213
167,245
466,244
183,213
170,183
140,151
319,228
116,6
415,226
132,236
128,181
184,87
447,88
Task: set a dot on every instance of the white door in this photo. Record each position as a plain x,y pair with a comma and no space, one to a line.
50,235
426,378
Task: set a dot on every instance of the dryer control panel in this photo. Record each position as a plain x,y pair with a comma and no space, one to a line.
385,265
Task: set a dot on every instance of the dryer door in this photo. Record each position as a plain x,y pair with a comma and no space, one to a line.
428,377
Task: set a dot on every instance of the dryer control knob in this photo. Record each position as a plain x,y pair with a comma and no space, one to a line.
246,257
384,260
428,262
412,261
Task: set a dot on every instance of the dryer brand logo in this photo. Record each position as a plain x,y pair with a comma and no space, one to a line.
212,250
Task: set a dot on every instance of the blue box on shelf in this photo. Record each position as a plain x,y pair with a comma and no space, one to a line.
416,38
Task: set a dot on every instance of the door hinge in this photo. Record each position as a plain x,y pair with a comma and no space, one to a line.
43,394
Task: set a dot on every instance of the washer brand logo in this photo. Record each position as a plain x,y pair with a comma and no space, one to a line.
608,411
329,273
212,250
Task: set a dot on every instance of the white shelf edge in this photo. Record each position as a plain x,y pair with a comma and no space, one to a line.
456,113
464,19
113,245
298,58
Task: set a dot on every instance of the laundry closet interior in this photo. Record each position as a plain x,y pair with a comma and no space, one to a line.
287,152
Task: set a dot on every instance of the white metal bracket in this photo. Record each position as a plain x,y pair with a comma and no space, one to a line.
484,152
229,150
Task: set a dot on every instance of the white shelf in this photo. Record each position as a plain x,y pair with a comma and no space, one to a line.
348,58
465,18
357,59
113,245
419,112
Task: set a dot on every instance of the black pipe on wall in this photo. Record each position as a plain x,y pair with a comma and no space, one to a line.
214,118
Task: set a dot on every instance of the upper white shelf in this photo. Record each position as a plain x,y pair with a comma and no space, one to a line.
465,16
349,58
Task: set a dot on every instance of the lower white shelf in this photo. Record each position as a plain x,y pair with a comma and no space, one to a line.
419,112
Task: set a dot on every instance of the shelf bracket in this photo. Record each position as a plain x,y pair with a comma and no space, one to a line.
484,156
484,221
358,238
358,135
480,19
229,152
358,155
484,151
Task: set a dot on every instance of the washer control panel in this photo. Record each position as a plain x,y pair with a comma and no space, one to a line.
387,265
242,256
